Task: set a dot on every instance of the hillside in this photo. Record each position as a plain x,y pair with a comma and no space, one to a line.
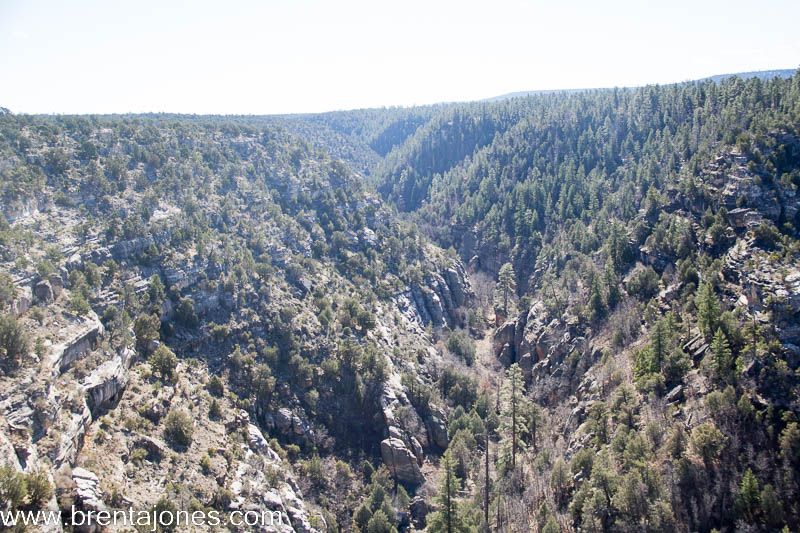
559,312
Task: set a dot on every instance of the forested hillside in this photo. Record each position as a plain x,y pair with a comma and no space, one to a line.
567,311
651,238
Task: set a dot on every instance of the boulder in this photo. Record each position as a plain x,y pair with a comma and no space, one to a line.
105,385
23,301
504,337
87,490
436,424
419,512
401,461
57,285
43,292
260,445
291,424
675,395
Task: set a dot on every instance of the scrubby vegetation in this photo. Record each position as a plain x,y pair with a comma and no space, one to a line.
627,360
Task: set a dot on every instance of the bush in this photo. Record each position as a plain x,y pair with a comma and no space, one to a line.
146,329
462,345
39,490
13,487
178,428
14,343
163,362
186,314
643,284
214,410
20,490
79,304
215,386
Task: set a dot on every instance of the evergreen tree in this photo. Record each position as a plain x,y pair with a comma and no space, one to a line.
512,421
749,498
659,345
379,523
506,284
721,357
597,308
612,286
707,309
448,517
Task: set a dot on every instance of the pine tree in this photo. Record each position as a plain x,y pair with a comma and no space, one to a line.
721,357
512,420
506,284
597,308
707,309
612,285
534,420
749,498
447,519
659,345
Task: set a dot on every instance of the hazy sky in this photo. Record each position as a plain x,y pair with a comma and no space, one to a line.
277,56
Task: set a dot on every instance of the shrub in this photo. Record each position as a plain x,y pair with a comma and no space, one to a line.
138,455
14,343
186,314
460,343
39,490
214,410
178,428
146,329
163,362
13,487
643,284
215,386
79,304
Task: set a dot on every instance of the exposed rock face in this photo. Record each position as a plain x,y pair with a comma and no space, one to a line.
743,264
107,382
503,340
82,339
252,489
72,437
529,334
43,292
7,454
419,512
440,296
436,424
23,301
401,461
20,209
291,424
402,452
125,249
87,490
540,345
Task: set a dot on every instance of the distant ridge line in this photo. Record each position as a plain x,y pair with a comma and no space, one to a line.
761,74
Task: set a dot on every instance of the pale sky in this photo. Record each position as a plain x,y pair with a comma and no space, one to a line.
281,56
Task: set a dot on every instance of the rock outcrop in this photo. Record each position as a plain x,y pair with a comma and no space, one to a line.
530,334
105,385
436,425
401,461
402,452
253,491
440,295
22,301
81,338
87,490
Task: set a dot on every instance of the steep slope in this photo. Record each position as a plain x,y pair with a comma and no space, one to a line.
651,237
294,301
